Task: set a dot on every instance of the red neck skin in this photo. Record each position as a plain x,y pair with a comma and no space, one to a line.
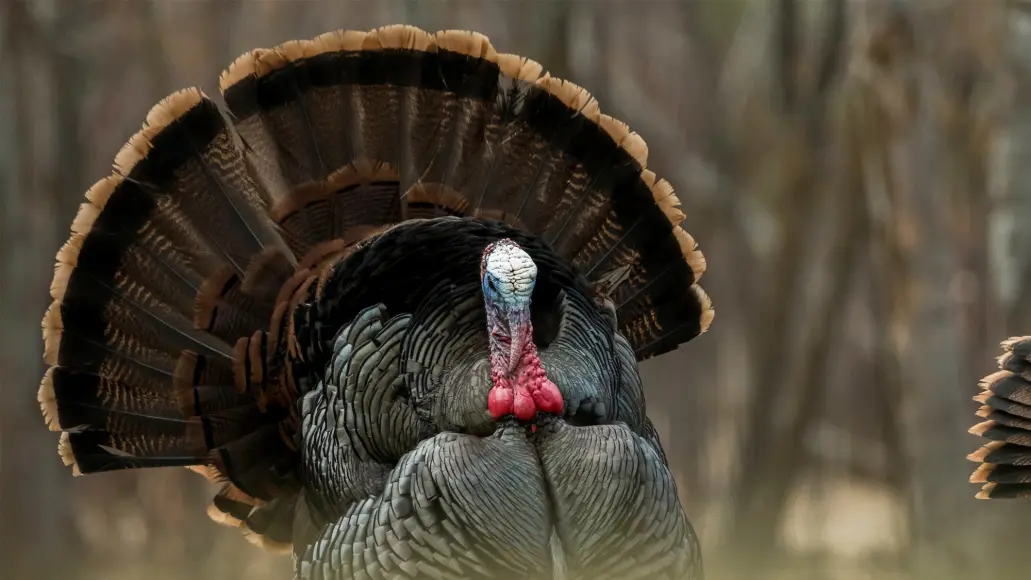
521,386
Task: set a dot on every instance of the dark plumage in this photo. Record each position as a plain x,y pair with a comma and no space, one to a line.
299,304
1005,399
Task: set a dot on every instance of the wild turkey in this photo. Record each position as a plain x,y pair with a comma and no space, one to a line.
1005,399
395,303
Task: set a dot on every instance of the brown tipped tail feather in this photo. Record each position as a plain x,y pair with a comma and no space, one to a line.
1005,399
170,340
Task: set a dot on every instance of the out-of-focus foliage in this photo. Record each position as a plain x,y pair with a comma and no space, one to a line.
856,173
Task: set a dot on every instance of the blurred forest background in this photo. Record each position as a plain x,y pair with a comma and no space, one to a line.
856,172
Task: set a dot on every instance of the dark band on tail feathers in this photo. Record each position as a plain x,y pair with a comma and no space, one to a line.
605,210
1005,462
171,259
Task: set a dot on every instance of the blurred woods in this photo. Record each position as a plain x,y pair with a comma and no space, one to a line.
856,173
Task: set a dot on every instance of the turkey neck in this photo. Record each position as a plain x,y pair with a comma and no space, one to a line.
520,384
520,343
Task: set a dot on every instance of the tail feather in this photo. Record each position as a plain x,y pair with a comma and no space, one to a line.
1005,399
451,127
171,260
269,525
183,295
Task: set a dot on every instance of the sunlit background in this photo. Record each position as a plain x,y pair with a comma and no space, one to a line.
856,173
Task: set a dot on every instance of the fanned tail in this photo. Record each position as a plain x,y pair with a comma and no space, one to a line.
447,126
173,338
1005,468
171,260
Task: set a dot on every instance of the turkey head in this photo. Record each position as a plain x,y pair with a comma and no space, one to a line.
520,385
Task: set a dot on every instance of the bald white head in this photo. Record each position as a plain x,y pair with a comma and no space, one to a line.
507,273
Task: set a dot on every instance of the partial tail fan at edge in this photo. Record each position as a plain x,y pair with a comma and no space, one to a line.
169,338
162,297
1005,468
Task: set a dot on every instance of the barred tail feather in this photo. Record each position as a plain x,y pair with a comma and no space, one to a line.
447,126
1005,462
171,260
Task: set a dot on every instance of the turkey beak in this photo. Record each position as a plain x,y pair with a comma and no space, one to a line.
520,331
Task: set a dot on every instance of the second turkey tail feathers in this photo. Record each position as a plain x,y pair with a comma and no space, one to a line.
1005,462
170,337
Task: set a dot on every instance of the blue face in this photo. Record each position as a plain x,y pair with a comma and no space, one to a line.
499,291
491,288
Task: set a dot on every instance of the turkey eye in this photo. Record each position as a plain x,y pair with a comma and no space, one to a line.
490,284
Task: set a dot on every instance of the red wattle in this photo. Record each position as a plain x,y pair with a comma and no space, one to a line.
500,402
523,389
524,407
547,398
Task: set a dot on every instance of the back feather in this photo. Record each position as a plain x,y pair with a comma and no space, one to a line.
178,334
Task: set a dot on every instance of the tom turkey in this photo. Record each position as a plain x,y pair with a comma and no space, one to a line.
1005,399
395,302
